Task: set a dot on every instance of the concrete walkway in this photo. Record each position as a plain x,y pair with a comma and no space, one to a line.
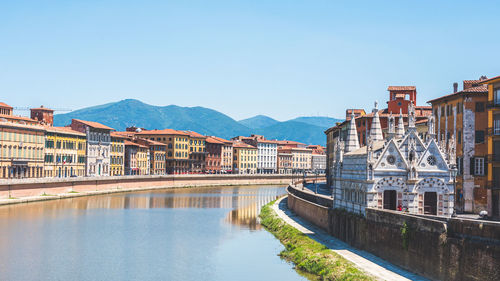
367,262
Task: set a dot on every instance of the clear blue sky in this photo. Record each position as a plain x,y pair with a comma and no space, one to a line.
278,58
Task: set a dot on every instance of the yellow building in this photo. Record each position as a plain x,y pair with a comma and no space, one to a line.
21,145
197,152
493,141
157,156
117,154
177,142
244,158
64,152
136,158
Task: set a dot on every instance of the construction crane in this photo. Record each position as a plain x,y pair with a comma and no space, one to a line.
55,109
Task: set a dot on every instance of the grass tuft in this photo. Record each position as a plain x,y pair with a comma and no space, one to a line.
308,255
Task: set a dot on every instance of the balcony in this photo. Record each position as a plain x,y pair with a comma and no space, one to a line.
494,103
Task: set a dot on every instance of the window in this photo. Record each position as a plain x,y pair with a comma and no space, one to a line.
478,166
496,124
460,166
496,96
479,106
479,137
459,137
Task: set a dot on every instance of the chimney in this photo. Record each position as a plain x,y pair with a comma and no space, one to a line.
455,87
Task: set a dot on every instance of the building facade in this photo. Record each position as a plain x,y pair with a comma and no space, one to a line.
213,159
21,145
267,152
463,115
136,159
244,158
197,152
301,160
117,155
493,140
177,148
285,163
21,150
65,151
226,155
98,146
157,156
399,172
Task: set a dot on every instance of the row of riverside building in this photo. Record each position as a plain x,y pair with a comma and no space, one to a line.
31,147
439,159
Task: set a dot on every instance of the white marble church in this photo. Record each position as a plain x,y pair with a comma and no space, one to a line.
400,172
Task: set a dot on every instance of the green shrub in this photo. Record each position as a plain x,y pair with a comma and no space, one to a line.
308,255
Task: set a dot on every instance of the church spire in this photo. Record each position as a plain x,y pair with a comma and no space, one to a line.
401,127
376,129
352,142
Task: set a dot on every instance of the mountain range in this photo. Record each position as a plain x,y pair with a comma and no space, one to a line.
131,112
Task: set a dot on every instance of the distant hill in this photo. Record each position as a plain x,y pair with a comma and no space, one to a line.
259,121
131,112
324,122
296,131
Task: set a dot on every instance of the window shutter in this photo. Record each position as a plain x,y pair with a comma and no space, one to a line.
472,162
485,166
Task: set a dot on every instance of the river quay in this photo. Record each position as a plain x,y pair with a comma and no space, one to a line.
29,190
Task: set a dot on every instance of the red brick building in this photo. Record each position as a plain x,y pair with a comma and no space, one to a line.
213,158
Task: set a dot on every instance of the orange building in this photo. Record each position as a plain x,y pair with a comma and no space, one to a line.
493,140
462,120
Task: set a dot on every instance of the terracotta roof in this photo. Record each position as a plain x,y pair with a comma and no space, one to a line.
267,141
478,89
194,134
285,142
152,142
242,145
121,135
493,80
222,140
401,88
66,130
162,132
43,108
94,124
129,143
5,105
214,140
14,117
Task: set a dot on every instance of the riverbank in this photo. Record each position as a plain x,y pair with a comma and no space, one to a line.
72,194
308,255
30,190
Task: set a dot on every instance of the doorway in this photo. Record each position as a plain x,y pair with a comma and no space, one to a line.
430,203
390,199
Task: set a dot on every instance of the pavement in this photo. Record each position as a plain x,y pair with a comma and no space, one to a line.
320,188
372,265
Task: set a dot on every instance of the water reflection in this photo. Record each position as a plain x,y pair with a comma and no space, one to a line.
244,202
182,234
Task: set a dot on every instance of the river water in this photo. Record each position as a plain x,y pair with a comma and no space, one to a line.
178,234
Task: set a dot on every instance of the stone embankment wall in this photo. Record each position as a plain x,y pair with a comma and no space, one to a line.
439,249
20,188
